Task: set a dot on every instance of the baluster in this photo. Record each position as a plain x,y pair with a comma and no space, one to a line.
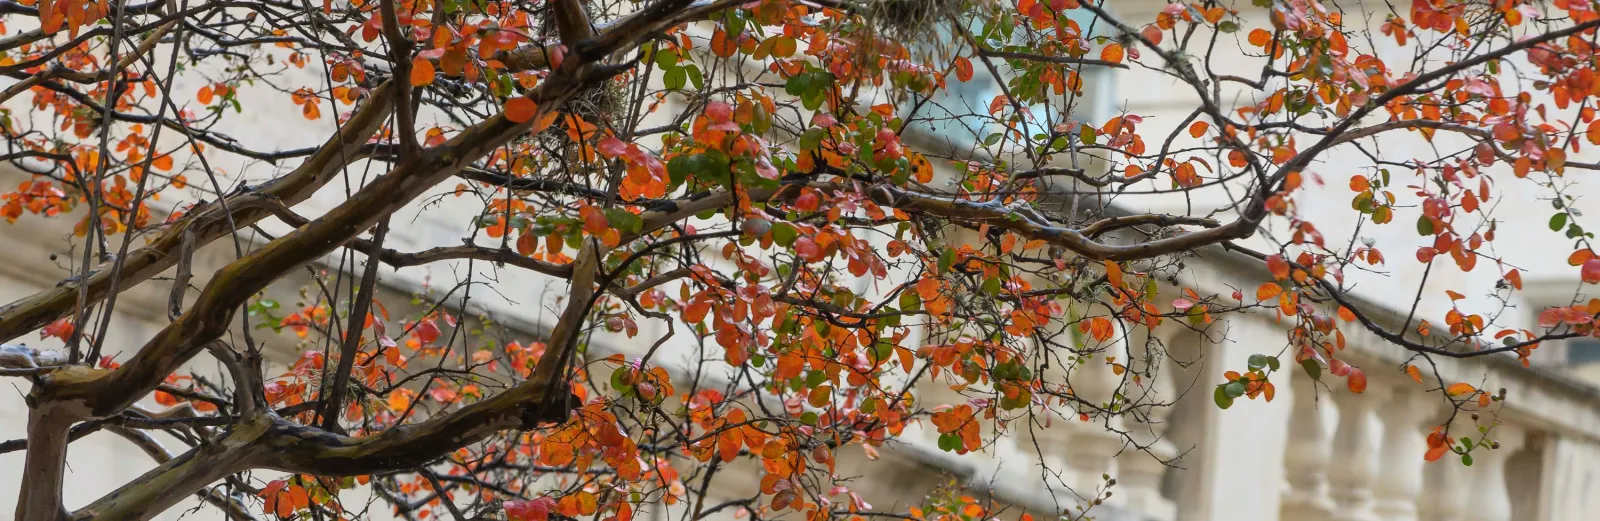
1350,474
1139,473
1092,446
1491,501
1447,484
1044,440
1399,483
1306,457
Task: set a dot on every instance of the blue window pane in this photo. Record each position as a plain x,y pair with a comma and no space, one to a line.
1583,351
959,114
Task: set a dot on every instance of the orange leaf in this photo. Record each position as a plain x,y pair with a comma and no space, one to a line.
1416,374
1579,257
520,109
1260,37
1198,128
1112,53
422,72
1459,388
1268,291
1113,273
1346,314
1357,382
963,69
1359,183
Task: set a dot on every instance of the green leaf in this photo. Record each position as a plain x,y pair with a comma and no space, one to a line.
946,259
797,84
784,234
1424,226
1313,369
910,301
812,99
674,78
1272,363
816,378
1234,389
1228,26
1257,362
616,380
1221,397
812,139
808,418
1363,202
667,59
624,220
1558,221
1466,459
679,168
695,76
991,286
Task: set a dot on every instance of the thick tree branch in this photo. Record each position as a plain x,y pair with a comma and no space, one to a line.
207,222
235,510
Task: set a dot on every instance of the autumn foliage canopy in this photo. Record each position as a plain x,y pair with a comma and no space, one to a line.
780,233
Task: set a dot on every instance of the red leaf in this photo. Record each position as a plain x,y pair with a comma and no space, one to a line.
1278,267
612,147
1337,367
427,332
719,112
1591,271
1152,33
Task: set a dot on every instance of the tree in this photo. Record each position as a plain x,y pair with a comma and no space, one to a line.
729,170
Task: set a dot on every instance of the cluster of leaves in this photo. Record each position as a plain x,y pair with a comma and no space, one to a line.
774,249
